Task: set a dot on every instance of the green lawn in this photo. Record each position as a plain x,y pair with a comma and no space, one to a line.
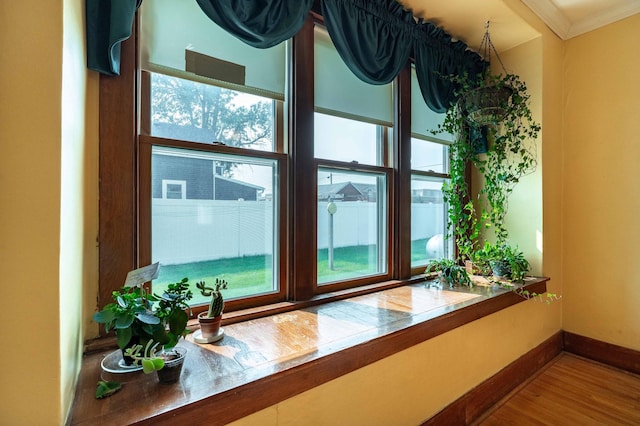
253,274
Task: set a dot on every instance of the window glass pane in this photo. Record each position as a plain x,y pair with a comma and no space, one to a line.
429,156
352,225
428,221
340,139
198,112
225,226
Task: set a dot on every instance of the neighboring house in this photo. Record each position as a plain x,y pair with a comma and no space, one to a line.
175,177
347,191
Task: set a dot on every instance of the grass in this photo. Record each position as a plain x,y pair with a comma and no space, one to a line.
252,275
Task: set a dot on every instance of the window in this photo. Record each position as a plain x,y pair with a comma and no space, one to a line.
174,189
429,169
288,185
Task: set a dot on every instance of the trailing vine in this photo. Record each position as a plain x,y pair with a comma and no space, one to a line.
511,154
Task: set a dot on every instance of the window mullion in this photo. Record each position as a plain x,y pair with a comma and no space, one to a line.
303,206
401,221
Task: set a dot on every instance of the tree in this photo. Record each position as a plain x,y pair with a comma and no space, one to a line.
187,110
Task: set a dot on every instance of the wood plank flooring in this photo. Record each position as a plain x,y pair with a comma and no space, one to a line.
572,391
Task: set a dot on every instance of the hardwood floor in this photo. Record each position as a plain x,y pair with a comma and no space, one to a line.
572,391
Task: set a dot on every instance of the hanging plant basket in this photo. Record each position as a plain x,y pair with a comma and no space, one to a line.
487,105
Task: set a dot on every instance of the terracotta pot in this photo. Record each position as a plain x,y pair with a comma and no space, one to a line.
173,361
209,327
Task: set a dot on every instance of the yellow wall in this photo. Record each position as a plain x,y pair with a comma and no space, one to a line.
48,222
42,103
602,181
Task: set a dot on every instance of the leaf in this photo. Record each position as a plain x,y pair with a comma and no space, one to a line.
124,320
106,389
149,365
148,318
104,316
123,336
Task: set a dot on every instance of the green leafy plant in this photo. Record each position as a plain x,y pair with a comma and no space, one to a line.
503,260
510,154
129,315
216,305
550,297
147,358
449,272
133,317
172,307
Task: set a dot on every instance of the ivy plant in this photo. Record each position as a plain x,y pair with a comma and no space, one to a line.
510,154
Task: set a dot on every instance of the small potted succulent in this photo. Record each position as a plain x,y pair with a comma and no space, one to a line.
210,319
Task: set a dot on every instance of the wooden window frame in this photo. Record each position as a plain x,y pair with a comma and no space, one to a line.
123,150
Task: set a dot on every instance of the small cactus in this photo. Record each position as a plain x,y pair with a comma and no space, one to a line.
216,306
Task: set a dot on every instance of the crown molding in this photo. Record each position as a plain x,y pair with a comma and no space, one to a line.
602,18
565,29
550,15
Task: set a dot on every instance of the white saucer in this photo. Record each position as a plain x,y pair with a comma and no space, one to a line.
113,363
197,336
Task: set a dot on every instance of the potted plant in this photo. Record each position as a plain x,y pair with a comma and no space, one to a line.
166,364
505,261
135,321
131,317
510,154
211,318
171,311
449,272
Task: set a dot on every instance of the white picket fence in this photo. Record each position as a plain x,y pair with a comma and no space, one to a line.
196,230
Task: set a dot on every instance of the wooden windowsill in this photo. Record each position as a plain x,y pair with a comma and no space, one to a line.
263,361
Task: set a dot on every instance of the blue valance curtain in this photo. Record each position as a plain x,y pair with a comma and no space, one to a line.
109,23
261,24
373,37
438,56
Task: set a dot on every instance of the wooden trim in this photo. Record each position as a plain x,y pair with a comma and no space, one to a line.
606,353
304,205
401,224
117,233
262,389
468,408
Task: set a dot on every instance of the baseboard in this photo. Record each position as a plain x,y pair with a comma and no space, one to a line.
606,353
477,401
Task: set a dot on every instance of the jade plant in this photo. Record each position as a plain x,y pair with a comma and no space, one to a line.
136,320
172,307
130,315
216,304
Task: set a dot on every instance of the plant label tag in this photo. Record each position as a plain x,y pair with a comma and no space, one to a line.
139,276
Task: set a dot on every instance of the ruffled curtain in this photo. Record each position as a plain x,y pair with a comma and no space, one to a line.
109,23
437,56
373,37
259,23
